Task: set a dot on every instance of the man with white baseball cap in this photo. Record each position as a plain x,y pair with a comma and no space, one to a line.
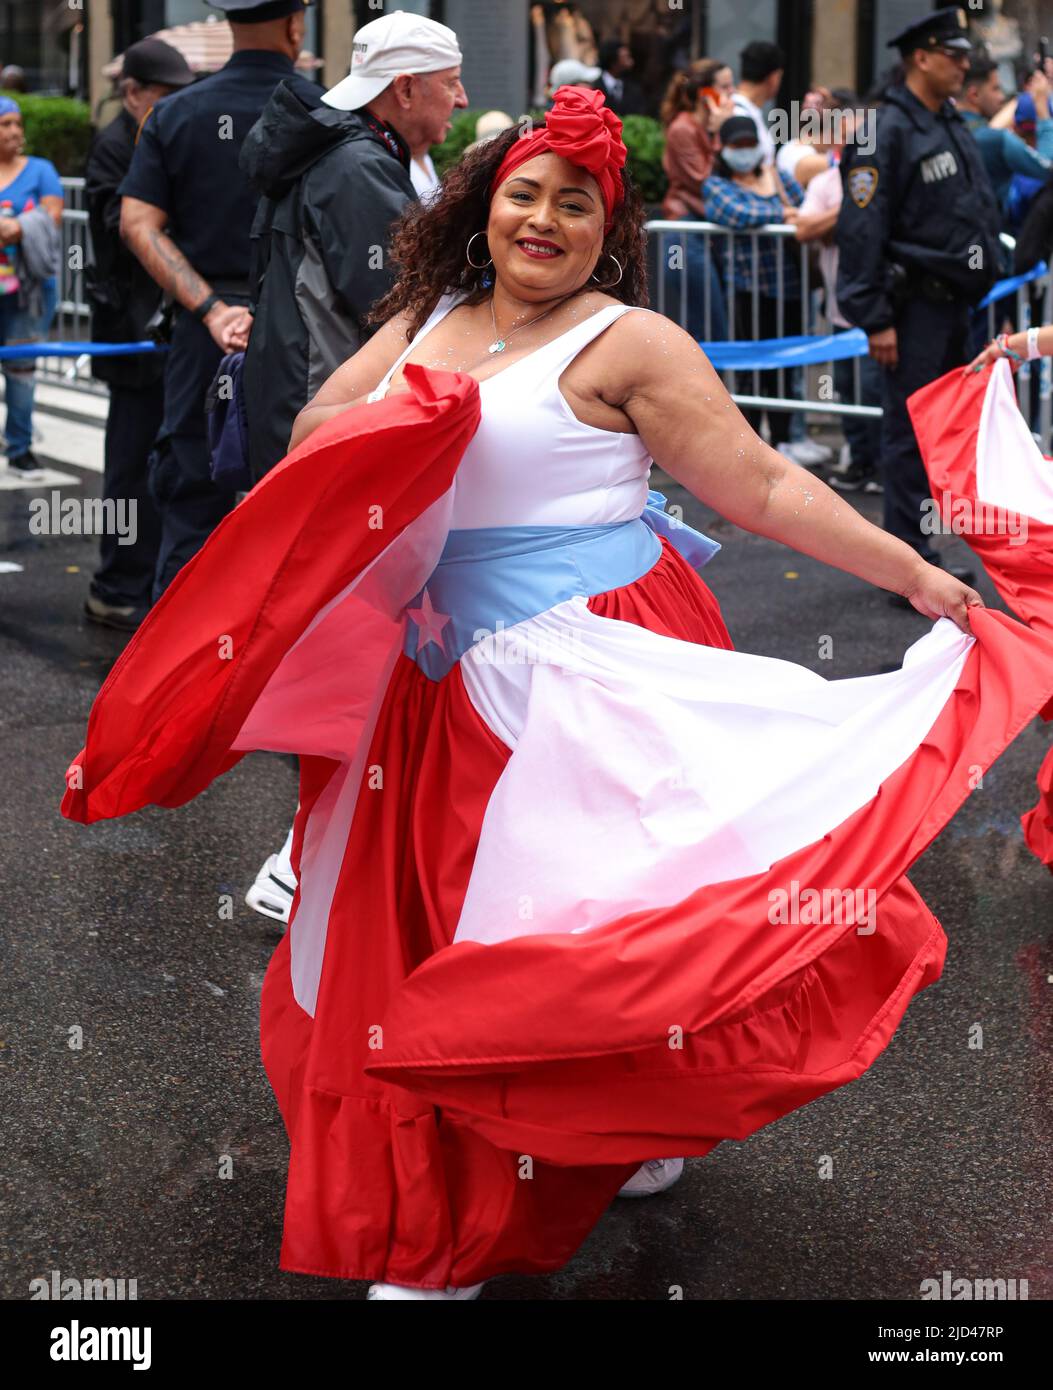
388,47
334,179
394,46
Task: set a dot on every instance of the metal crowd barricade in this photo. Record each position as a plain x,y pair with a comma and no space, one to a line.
680,254
73,313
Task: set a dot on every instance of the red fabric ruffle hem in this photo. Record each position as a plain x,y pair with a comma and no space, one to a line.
385,1184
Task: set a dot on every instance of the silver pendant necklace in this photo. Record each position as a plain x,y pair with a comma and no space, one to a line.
499,344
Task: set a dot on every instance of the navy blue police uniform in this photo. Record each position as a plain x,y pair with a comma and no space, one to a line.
124,300
918,236
186,162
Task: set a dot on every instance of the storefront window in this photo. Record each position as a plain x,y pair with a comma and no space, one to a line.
732,27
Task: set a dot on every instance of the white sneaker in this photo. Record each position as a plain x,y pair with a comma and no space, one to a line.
272,893
844,460
654,1176
807,453
391,1292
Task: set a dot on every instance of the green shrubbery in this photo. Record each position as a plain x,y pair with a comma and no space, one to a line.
643,136
57,128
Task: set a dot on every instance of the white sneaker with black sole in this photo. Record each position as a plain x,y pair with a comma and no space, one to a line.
272,892
654,1176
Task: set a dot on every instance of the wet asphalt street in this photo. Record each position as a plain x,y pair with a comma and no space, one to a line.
111,1153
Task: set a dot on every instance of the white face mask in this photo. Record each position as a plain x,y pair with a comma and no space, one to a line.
742,158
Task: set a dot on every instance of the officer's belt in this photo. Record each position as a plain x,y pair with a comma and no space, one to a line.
932,288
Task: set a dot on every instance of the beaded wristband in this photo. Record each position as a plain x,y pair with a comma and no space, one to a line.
1002,342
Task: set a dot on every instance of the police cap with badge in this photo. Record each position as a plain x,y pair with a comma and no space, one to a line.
946,28
252,12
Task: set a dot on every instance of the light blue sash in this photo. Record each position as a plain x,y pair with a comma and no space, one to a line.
490,578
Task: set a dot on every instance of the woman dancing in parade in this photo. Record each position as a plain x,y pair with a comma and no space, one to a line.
580,886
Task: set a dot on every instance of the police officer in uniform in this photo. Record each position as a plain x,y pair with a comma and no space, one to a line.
186,213
124,300
918,236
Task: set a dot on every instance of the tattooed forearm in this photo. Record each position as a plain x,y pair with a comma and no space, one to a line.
160,256
171,269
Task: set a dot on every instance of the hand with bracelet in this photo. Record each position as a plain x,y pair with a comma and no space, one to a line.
229,324
1017,347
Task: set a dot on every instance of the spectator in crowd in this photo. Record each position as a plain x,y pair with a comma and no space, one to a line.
489,124
696,104
743,192
12,78
860,461
809,153
186,213
124,299
570,72
30,216
624,95
1004,152
334,180
761,66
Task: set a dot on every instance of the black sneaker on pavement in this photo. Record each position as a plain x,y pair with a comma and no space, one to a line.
854,478
26,466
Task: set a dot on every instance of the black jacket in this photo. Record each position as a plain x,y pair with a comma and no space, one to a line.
333,183
921,199
123,297
1034,241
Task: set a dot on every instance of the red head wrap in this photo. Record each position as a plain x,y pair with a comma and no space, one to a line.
583,129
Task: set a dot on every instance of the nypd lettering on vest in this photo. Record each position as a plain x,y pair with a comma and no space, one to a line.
939,166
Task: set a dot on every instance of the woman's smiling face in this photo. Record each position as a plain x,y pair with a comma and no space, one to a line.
545,231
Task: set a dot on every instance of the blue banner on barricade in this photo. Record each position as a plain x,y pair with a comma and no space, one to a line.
23,350
767,353
1010,286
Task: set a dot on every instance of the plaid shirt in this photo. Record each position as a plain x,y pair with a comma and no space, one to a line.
730,205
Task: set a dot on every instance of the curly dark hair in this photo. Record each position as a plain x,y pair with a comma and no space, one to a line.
429,240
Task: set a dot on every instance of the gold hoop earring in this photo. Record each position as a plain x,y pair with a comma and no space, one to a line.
613,282
468,253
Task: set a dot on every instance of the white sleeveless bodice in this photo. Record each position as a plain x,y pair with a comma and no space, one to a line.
532,462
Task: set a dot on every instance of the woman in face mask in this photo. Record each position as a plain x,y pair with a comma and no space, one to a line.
697,103
744,193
